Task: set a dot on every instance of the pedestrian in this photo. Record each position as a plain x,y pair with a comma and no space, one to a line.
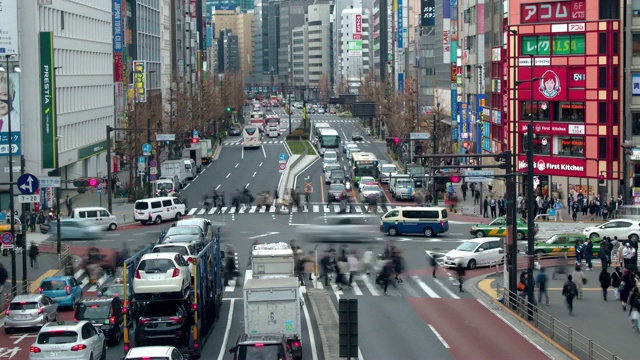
434,265
628,283
230,268
485,207
325,267
616,281
579,279
541,280
634,308
354,266
300,261
588,253
268,200
578,250
523,287
493,205
385,275
603,253
460,271
464,189
4,275
569,291
310,265
605,282
34,221
33,255
628,254
342,269
367,260
69,203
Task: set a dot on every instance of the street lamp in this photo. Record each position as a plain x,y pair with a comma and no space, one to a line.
12,219
58,235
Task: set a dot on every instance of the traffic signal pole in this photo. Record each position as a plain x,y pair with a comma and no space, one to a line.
149,158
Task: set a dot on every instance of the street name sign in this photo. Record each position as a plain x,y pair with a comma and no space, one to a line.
165,137
50,182
31,198
420,136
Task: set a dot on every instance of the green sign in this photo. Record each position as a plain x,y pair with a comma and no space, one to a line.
568,44
47,101
355,45
536,45
89,151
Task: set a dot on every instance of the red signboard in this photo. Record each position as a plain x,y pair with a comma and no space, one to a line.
556,129
551,84
577,77
358,23
359,36
117,67
561,11
563,166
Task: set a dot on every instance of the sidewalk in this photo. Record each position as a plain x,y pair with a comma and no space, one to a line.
122,210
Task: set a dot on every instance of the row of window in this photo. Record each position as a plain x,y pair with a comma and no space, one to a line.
74,26
81,98
148,19
556,145
567,111
80,134
80,62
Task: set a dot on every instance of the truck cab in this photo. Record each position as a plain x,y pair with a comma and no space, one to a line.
402,187
272,260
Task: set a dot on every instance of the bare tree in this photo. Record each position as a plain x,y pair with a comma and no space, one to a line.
324,87
342,86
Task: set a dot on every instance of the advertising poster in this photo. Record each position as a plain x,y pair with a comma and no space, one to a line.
428,13
12,111
47,101
446,35
140,80
9,27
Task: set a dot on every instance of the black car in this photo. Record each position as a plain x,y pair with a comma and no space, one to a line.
417,173
337,176
111,290
105,313
268,346
165,322
235,131
356,136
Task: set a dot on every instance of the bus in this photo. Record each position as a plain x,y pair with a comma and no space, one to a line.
257,119
251,137
316,129
273,120
364,164
328,139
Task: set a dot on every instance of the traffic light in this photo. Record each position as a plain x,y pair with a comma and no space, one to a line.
228,109
195,140
601,179
86,182
396,140
455,179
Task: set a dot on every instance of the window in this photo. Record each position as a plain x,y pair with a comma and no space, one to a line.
615,42
616,148
571,112
602,112
569,146
636,8
541,144
540,110
602,148
635,44
635,124
602,43
602,77
616,112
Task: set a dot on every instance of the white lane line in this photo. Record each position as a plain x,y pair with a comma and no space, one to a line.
253,209
186,186
437,334
223,348
192,211
212,211
337,292
370,286
78,274
254,173
316,208
425,287
237,165
231,287
201,211
263,152
229,174
242,154
218,187
409,289
223,210
446,289
356,288
246,186
312,337
260,165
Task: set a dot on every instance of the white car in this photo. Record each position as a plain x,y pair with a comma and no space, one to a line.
622,228
364,180
352,151
69,340
154,352
320,110
387,171
161,273
188,252
486,251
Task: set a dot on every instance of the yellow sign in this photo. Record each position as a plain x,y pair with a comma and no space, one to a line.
140,80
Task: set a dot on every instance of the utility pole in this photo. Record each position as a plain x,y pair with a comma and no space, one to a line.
25,207
435,152
149,158
531,216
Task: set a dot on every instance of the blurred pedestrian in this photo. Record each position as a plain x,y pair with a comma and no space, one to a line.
588,253
342,269
616,281
628,283
310,265
34,221
69,203
605,282
367,260
603,253
434,265
634,308
541,280
33,255
569,291
385,275
579,280
230,268
460,271
354,266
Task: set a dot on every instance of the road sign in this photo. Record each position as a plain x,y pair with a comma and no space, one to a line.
165,137
146,149
195,133
142,167
153,177
153,163
28,184
420,136
3,215
282,166
141,159
283,157
477,179
31,198
6,238
473,173
153,170
50,182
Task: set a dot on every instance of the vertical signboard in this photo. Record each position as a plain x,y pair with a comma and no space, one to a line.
47,101
117,41
465,131
400,26
14,110
428,13
140,80
9,27
357,27
446,36
479,122
401,82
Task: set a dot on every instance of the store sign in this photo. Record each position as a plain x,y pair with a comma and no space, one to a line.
556,45
563,166
552,85
454,73
561,11
577,77
556,129
636,84
357,33
428,14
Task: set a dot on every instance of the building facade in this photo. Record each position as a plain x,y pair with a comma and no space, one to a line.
319,46
354,47
241,25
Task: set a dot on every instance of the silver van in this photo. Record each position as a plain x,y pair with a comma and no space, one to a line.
191,168
98,216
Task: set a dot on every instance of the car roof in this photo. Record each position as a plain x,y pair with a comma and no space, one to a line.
57,278
263,338
95,300
89,208
481,240
150,351
169,256
26,297
189,222
64,325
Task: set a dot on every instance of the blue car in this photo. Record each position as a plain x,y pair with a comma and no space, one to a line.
65,290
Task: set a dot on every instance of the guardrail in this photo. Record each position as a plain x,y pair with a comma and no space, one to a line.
51,246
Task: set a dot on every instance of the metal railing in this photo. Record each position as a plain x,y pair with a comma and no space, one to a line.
50,246
563,334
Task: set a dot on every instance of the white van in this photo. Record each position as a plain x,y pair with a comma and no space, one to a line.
273,131
191,168
429,221
157,210
96,215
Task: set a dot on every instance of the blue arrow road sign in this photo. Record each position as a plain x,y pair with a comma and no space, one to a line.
146,148
28,184
283,157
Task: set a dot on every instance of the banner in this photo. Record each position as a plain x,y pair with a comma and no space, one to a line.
355,48
636,84
117,41
400,26
357,27
140,80
446,32
14,91
465,125
47,101
428,14
9,27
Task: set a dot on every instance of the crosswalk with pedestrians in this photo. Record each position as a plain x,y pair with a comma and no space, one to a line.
276,142
316,208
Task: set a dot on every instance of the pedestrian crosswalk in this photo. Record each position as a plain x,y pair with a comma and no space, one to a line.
312,208
276,142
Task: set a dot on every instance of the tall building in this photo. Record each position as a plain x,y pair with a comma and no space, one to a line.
144,26
319,46
228,52
354,47
241,25
300,56
66,60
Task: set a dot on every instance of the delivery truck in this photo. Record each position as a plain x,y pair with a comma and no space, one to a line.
194,153
206,150
272,260
272,307
175,167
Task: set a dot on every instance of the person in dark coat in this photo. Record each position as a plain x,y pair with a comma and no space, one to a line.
629,282
605,282
569,291
588,253
434,265
33,255
230,268
460,271
616,280
603,254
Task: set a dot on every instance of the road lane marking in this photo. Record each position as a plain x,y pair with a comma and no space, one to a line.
437,334
36,284
316,208
322,188
446,289
372,288
246,186
212,211
263,152
253,209
260,165
201,211
254,173
223,348
242,153
186,186
192,211
337,292
231,287
223,210
229,174
355,288
425,287
218,187
312,340
237,165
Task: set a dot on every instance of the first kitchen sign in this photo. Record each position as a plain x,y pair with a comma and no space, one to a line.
554,166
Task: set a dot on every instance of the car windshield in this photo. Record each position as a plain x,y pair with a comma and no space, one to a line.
337,187
416,170
405,183
57,337
370,188
336,173
354,150
164,185
53,285
111,290
260,352
186,230
93,311
331,167
389,168
351,146
555,239
161,309
366,179
467,246
22,305
330,156
156,266
182,250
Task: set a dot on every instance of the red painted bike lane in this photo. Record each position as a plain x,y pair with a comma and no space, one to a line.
471,331
16,345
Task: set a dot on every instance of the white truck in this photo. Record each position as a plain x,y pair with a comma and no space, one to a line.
402,187
206,150
175,168
194,153
274,260
272,306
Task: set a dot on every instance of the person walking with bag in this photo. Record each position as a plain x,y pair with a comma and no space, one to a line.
605,282
569,291
580,281
542,287
33,255
616,280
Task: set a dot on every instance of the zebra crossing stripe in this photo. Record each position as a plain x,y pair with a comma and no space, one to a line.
336,290
425,287
358,209
273,208
212,211
201,211
370,286
232,210
356,288
316,208
336,208
223,210
253,209
192,211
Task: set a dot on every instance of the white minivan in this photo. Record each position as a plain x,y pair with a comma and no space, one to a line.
191,168
157,210
96,215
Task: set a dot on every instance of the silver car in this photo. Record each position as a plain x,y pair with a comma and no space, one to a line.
349,228
30,311
69,340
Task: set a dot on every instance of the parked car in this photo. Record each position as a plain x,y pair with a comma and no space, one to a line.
559,244
29,311
485,251
69,340
341,228
161,273
187,250
622,228
105,313
235,131
165,321
498,227
65,290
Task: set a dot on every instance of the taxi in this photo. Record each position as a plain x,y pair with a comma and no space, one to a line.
498,227
558,244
